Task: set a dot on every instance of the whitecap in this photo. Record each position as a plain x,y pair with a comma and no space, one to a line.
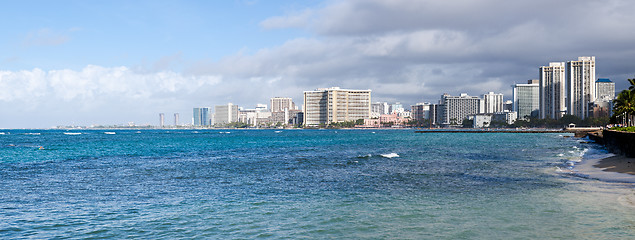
390,155
72,133
110,133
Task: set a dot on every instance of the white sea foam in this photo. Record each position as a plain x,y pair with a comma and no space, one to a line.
390,155
110,133
72,133
277,131
32,134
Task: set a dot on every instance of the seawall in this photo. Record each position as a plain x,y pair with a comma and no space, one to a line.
619,142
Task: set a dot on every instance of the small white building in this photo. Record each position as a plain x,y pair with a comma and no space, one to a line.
481,120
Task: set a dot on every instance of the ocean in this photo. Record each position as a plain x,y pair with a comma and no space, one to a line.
310,184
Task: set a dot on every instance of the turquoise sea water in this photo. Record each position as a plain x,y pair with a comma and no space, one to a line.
316,184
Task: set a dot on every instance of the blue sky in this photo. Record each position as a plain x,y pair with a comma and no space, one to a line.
71,34
114,62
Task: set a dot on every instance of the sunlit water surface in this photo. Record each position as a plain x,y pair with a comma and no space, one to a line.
171,184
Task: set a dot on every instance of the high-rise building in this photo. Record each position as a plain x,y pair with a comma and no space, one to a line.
580,86
527,99
329,105
224,114
604,90
552,91
279,104
379,108
421,111
493,102
437,112
457,108
161,119
201,116
176,119
256,117
282,110
396,108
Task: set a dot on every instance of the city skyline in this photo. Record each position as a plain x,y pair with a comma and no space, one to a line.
75,63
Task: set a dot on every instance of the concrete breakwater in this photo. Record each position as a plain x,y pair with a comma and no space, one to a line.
578,132
617,142
489,131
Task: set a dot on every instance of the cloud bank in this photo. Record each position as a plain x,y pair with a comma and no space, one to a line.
96,95
412,50
404,50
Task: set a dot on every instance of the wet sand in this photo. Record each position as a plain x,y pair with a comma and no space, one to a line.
610,169
618,164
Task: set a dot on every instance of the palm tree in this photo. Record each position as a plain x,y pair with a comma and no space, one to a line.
632,82
625,104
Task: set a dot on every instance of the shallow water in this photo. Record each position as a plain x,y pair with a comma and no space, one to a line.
304,184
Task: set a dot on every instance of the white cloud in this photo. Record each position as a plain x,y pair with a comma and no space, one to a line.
95,89
294,20
404,50
424,48
94,82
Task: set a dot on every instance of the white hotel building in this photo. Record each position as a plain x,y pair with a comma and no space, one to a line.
552,86
329,105
580,86
493,102
457,108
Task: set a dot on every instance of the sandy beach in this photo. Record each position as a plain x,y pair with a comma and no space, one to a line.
618,164
612,169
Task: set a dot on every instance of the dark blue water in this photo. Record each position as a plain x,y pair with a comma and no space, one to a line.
301,184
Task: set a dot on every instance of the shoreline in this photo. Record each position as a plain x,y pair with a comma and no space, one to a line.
618,163
615,168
